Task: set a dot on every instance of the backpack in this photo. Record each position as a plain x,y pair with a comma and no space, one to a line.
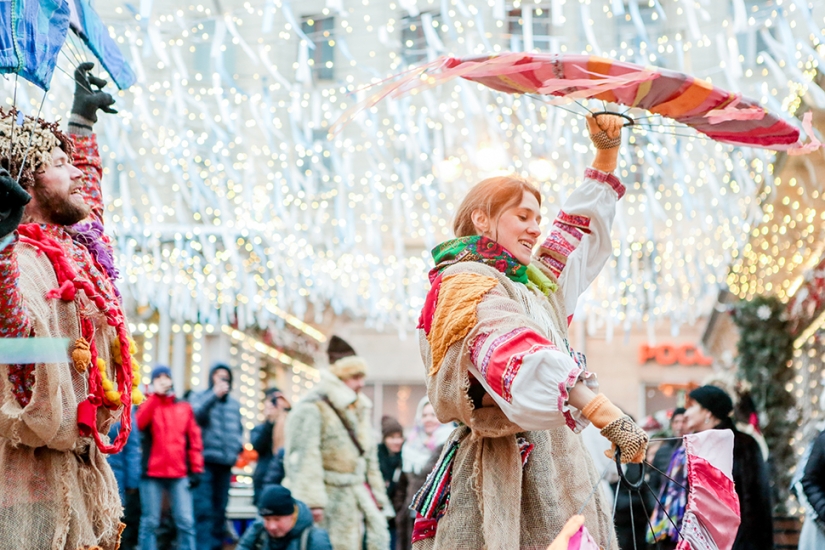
260,544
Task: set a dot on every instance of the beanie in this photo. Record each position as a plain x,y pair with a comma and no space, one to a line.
714,399
276,501
338,348
160,369
389,426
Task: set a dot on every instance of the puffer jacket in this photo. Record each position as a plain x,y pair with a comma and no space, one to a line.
220,422
813,481
256,538
170,438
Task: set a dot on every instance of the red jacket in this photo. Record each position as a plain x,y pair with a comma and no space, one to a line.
171,438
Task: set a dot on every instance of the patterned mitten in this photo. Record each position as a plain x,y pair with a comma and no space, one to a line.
618,428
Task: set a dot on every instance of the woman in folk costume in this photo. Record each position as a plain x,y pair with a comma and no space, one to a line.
57,490
494,341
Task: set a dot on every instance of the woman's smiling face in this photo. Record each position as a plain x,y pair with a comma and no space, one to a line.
516,229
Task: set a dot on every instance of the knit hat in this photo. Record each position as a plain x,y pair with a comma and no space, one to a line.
338,348
20,135
714,399
349,367
389,426
160,369
276,501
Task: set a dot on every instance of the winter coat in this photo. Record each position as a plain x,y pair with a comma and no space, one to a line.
751,480
275,473
325,469
220,422
126,465
261,439
256,537
395,480
813,481
632,510
171,438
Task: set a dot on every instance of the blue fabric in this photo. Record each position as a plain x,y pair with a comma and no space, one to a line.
151,497
211,497
126,464
96,36
317,540
39,29
8,53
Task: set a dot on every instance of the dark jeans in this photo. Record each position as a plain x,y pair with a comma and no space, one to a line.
131,517
210,499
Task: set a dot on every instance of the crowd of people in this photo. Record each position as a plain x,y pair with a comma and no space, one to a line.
505,446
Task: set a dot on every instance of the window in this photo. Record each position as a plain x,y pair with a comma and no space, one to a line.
416,46
531,27
321,30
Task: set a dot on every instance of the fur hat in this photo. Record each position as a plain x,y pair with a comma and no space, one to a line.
20,134
338,348
349,367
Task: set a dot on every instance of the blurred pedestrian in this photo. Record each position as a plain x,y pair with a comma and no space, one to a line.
172,461
395,480
331,457
711,409
285,524
812,536
421,450
126,466
661,460
267,438
219,417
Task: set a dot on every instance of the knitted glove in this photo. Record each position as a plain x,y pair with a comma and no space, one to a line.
13,200
618,428
87,100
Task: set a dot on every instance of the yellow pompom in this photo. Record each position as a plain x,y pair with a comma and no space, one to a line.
137,397
101,365
107,385
113,397
132,347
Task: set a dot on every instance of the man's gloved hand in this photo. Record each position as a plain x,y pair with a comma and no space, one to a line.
618,428
87,100
194,480
13,200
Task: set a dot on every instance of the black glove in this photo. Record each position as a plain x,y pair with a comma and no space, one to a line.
13,200
87,100
194,480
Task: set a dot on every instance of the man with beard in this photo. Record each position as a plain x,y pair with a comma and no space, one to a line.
56,284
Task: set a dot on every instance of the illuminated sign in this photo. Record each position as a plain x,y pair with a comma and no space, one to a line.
673,354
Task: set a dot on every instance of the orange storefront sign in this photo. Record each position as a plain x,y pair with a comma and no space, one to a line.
673,354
